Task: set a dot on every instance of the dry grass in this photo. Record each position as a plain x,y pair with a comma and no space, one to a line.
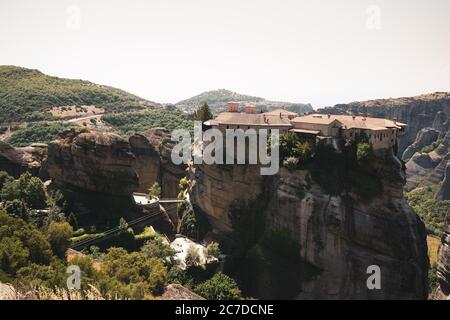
73,111
433,246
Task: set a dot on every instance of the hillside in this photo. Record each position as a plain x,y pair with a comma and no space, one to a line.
218,99
28,95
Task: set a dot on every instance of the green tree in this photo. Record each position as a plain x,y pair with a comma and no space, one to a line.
16,208
72,220
213,250
364,152
219,287
123,224
4,177
21,243
157,248
303,151
188,223
192,257
27,188
203,113
154,191
136,269
59,235
13,254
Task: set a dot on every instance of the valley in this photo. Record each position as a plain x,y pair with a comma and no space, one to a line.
74,170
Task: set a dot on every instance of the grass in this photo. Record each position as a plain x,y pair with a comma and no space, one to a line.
433,246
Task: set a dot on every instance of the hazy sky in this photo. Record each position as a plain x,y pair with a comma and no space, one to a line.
318,51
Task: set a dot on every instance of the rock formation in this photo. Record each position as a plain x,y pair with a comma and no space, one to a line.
425,137
443,265
147,162
16,161
97,162
98,172
444,188
337,237
170,174
425,169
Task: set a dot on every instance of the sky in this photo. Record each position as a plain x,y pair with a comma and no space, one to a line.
321,52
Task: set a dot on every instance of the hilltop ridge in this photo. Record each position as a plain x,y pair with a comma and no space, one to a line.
218,99
29,94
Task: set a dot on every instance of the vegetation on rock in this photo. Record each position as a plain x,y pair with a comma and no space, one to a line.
140,121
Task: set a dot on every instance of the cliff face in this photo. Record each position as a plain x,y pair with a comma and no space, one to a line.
169,174
443,265
16,161
425,169
98,162
98,172
336,237
147,162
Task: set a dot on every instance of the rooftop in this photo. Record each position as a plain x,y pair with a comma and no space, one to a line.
349,122
241,118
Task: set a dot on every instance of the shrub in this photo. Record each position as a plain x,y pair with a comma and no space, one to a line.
188,221
219,287
364,152
27,188
291,163
41,132
134,269
154,191
203,113
59,235
213,250
16,208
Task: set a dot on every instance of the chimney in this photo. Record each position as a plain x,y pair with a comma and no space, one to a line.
233,106
329,116
250,108
354,117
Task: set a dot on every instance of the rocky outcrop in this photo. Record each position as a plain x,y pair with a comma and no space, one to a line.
443,265
92,161
425,137
170,174
98,172
219,187
95,173
16,161
444,188
147,162
337,237
425,169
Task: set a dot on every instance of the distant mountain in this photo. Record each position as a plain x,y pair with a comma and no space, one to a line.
27,95
218,99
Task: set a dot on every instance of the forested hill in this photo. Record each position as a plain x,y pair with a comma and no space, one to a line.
218,99
28,95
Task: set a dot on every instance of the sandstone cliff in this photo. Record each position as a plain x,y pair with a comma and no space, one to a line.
97,162
337,237
98,172
16,161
